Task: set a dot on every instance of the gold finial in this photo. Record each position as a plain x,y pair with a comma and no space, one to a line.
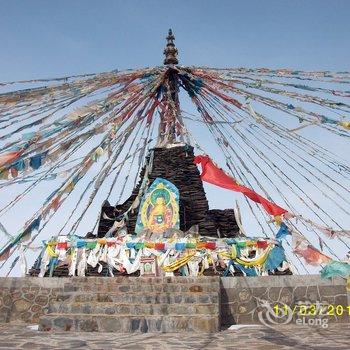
170,50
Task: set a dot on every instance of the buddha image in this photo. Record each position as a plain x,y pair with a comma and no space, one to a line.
159,210
160,216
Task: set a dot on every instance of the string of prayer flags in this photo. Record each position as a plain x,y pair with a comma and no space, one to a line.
49,123
124,254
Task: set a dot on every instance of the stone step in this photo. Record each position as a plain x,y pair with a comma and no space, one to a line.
143,287
134,309
128,324
141,298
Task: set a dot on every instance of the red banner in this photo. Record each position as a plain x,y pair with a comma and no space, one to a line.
8,157
216,176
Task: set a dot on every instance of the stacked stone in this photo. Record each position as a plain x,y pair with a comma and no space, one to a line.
145,304
223,221
177,166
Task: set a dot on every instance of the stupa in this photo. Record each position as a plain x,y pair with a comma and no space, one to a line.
166,212
174,161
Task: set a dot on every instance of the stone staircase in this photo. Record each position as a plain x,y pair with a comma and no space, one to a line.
136,304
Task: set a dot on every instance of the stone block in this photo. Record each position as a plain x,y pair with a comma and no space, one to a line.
110,324
84,324
176,324
208,309
45,324
205,324
299,293
21,305
312,294
274,293
195,288
42,299
286,296
29,296
245,295
180,309
64,323
329,290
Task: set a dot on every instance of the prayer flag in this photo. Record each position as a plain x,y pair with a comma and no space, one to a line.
216,176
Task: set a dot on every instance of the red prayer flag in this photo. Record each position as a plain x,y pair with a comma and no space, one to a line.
216,176
159,246
62,245
5,255
262,244
8,157
210,245
312,256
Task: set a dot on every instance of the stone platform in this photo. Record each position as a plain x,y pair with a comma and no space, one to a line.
134,304
128,305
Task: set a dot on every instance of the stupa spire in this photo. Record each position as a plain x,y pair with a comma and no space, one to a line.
170,50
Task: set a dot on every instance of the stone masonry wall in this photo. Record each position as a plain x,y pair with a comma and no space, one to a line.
26,299
242,298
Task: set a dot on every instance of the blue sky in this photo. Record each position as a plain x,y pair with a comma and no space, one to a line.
42,39
46,38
